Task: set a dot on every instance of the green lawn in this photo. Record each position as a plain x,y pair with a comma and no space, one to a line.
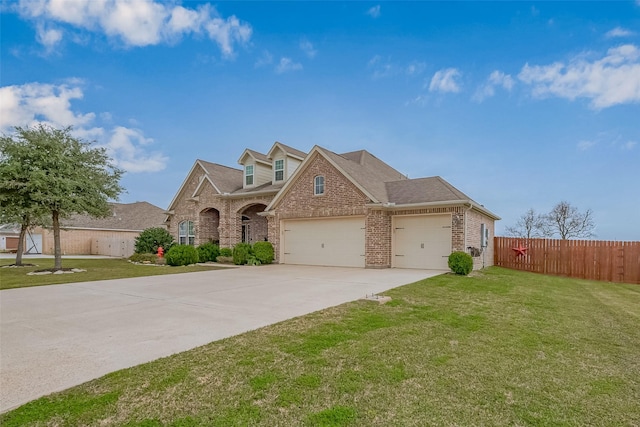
97,269
500,348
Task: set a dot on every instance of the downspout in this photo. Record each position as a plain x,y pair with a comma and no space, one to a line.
465,225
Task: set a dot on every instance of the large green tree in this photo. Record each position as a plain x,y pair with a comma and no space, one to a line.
43,168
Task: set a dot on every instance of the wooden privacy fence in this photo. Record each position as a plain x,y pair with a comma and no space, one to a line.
585,259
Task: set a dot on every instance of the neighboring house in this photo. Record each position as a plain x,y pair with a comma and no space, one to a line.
324,208
113,235
9,237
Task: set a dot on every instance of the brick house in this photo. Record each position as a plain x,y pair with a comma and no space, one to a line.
324,208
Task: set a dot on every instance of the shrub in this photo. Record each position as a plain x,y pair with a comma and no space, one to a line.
460,263
182,255
208,252
151,238
263,251
143,258
224,259
226,252
241,253
252,260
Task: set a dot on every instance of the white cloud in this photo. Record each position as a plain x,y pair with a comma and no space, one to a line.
308,48
374,12
629,145
34,103
586,145
286,65
127,147
445,80
380,67
611,80
136,22
48,37
415,68
265,59
488,89
619,32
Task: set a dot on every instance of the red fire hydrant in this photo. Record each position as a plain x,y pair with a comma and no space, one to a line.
160,252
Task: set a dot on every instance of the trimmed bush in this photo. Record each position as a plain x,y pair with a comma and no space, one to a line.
241,253
151,238
182,255
226,252
252,260
263,251
224,259
208,252
148,258
460,263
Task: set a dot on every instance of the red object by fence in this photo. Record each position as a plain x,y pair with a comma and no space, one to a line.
585,259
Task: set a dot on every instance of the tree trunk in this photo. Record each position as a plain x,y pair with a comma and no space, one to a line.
23,232
57,251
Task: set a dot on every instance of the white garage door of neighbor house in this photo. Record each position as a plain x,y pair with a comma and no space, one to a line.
422,241
337,242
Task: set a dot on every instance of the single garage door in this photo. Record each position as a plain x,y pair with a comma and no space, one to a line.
422,241
337,242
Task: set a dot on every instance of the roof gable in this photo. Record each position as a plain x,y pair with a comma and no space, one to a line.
288,151
255,156
222,178
363,169
367,171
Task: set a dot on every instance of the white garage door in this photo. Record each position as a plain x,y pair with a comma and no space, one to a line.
335,242
422,241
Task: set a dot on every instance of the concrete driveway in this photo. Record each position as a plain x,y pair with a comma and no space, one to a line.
54,337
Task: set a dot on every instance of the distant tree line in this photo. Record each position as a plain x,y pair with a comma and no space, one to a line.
564,221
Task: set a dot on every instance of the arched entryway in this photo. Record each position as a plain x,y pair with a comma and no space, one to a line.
254,227
208,226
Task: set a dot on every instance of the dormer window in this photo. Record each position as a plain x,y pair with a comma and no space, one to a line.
318,185
248,175
279,170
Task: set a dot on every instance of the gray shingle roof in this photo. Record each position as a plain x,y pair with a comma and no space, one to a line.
367,170
423,190
124,216
294,151
388,185
258,156
228,180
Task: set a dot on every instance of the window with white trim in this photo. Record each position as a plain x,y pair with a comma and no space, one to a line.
248,175
318,185
279,170
186,233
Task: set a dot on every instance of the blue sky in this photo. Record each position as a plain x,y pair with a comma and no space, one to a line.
518,104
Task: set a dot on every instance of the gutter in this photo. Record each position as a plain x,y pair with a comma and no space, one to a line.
390,206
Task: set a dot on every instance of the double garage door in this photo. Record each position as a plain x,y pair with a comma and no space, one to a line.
421,241
335,242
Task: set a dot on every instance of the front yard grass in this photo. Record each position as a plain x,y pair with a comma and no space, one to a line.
499,348
97,269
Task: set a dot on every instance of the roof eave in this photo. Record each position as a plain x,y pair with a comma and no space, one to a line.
466,202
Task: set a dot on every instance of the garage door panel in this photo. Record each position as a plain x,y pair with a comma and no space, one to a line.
332,242
422,241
